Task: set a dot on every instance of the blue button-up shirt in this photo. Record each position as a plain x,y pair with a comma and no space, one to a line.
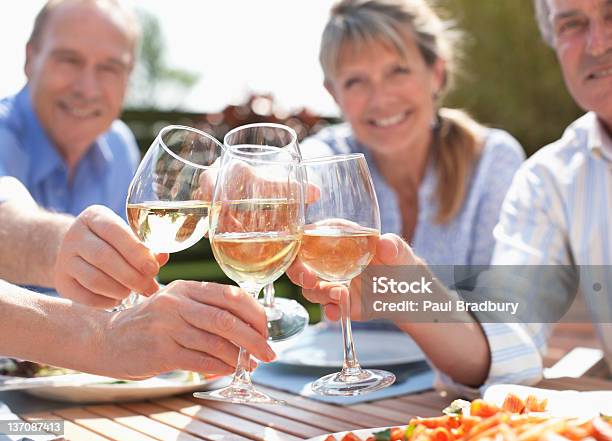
102,176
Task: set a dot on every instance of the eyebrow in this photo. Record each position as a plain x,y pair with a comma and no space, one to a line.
72,53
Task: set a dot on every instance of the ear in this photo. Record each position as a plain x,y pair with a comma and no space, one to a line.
29,59
439,79
330,88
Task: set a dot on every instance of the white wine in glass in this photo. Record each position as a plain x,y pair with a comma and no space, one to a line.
257,219
340,238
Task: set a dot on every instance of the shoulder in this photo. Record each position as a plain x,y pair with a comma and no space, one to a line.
561,159
336,139
122,142
500,158
501,145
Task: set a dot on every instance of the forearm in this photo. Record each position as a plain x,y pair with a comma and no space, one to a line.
49,330
31,238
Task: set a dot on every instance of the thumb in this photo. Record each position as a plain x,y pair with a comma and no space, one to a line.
393,250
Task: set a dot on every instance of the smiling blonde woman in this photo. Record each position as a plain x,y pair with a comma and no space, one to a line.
440,176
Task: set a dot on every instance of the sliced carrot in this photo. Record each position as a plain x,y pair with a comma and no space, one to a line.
482,408
533,404
442,434
513,404
448,421
350,437
397,434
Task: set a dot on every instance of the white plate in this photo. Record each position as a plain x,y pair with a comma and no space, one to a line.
156,387
566,403
361,433
319,347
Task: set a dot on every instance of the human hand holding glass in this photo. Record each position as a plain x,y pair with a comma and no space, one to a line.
255,233
340,236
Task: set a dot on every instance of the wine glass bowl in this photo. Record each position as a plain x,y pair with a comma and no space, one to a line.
167,206
169,197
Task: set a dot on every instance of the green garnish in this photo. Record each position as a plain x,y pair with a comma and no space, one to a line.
409,431
383,435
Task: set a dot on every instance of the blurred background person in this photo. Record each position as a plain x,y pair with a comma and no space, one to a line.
439,175
60,134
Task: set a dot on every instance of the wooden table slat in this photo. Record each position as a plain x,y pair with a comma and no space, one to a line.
391,417
224,420
344,413
182,422
72,432
264,418
141,423
101,425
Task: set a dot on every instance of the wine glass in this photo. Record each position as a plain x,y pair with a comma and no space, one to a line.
340,237
170,195
286,317
256,223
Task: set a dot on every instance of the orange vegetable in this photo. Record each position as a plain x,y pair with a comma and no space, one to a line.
330,438
532,404
350,437
602,430
397,434
482,408
451,422
513,404
442,434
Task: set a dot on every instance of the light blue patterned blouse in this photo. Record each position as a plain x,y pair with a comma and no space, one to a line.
468,238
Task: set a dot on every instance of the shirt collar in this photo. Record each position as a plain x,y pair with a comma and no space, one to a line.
599,142
46,158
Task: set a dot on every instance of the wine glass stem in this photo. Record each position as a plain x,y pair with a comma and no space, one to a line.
269,295
242,376
350,365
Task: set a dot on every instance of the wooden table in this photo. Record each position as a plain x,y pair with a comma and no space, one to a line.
189,419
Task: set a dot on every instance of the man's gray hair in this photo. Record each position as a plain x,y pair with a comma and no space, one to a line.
117,8
388,21
542,11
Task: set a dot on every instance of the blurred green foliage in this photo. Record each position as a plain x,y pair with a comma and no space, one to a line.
509,77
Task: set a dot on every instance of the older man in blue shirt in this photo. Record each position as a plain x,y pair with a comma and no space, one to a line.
60,135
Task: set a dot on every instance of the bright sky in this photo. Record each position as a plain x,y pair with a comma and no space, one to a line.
236,46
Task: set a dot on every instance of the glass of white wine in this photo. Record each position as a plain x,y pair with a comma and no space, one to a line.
340,237
257,217
286,317
170,195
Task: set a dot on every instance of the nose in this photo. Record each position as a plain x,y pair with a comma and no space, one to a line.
87,84
382,92
600,37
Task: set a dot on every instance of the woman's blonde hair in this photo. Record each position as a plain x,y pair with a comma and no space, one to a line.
456,146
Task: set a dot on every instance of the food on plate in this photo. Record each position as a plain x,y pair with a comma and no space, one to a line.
29,369
515,420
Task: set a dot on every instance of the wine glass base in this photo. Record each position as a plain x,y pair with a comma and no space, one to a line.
365,381
240,395
286,319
